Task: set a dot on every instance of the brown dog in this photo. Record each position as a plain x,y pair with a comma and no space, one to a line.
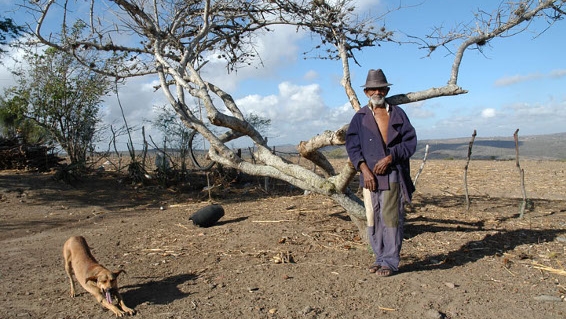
96,279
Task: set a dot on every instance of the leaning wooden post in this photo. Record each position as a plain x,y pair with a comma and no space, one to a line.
422,165
521,174
466,170
209,188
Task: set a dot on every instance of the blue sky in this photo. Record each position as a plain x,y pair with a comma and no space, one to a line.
517,83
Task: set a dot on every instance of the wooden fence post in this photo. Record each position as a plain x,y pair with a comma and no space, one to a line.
466,170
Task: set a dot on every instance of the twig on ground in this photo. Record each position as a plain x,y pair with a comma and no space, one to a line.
180,225
561,272
509,271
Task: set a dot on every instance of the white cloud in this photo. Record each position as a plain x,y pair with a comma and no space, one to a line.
510,80
488,113
293,103
9,61
137,99
301,102
273,53
418,110
297,112
549,110
311,75
6,78
261,106
545,117
558,73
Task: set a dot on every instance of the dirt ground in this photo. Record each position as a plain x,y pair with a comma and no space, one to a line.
284,254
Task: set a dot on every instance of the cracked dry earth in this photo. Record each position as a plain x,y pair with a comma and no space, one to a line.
283,254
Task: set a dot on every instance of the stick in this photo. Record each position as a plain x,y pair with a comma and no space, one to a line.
180,225
509,271
422,165
521,174
272,221
466,170
549,269
208,184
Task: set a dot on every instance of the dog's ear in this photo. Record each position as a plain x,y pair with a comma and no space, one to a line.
91,278
116,273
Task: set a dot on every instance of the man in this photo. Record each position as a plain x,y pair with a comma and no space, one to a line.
380,142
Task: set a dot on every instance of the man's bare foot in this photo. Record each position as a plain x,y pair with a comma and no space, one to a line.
373,268
384,272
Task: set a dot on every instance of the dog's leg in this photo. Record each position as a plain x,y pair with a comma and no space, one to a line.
118,296
117,311
101,300
128,310
68,270
95,291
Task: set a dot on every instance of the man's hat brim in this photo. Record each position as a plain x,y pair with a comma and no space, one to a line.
376,79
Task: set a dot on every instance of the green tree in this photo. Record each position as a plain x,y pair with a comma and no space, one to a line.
175,133
14,124
60,95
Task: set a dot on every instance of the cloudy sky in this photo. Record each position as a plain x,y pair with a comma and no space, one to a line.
515,83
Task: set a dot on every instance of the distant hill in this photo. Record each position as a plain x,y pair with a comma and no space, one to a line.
549,147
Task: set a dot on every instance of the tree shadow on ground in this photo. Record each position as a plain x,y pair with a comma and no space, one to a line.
453,201
114,192
502,241
415,226
230,221
495,208
489,245
159,292
30,225
341,215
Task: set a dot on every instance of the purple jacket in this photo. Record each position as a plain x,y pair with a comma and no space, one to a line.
364,143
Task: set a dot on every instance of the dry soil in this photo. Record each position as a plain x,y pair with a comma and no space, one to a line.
284,254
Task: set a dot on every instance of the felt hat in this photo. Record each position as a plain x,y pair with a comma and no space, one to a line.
376,79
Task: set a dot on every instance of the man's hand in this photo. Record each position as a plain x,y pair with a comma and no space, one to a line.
381,167
369,179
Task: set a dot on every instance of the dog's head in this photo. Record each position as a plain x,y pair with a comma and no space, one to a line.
107,282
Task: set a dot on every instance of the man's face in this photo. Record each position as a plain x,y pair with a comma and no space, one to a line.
377,95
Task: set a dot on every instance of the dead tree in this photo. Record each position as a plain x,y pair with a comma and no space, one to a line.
174,40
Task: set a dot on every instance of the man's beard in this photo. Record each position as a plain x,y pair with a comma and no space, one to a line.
377,100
